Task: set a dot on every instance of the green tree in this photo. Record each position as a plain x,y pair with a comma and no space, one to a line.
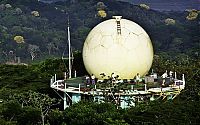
29,116
10,110
56,117
41,102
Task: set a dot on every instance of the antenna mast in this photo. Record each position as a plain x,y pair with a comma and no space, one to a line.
69,44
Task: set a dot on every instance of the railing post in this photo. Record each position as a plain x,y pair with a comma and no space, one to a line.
175,76
65,75
51,82
183,78
145,87
65,86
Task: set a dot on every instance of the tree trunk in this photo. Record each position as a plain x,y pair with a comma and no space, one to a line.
42,115
32,56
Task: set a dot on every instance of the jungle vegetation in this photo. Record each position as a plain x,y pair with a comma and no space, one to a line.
36,32
26,98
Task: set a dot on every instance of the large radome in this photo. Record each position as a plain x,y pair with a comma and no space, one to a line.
117,46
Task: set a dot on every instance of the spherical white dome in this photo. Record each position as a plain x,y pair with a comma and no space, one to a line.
121,47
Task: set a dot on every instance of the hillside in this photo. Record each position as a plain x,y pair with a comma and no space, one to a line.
168,5
42,27
36,31
159,5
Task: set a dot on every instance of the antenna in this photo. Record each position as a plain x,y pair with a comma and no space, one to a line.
69,49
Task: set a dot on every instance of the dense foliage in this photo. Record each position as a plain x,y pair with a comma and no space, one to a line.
26,98
34,30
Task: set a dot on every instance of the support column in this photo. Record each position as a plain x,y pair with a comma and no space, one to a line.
65,101
75,74
145,87
55,77
175,76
